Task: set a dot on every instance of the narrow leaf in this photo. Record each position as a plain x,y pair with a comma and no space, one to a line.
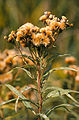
16,104
72,98
60,68
60,89
43,116
58,106
27,104
27,88
60,92
23,55
6,102
20,99
51,88
55,56
54,93
28,73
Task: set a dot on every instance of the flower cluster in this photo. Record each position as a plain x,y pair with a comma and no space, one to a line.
30,35
70,61
8,60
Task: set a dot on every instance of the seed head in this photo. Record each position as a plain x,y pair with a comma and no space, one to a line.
29,35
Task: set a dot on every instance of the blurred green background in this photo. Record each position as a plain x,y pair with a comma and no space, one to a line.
14,13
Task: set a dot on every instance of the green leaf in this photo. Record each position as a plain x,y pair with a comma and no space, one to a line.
16,104
23,55
58,106
43,116
28,73
20,99
51,88
27,88
72,99
54,93
73,91
52,58
60,68
13,89
60,92
8,101
60,89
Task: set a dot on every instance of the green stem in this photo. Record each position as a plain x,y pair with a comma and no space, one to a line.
21,54
39,90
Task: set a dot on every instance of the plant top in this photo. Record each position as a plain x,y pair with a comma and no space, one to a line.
29,35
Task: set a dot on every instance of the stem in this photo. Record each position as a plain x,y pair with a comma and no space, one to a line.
73,84
21,54
39,90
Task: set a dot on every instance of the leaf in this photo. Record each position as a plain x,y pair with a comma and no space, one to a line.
72,99
20,99
8,106
60,89
27,88
28,73
51,88
16,104
27,104
60,92
52,58
29,57
60,68
58,106
6,102
73,91
54,93
43,116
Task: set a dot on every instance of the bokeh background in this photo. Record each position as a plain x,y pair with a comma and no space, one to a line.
14,13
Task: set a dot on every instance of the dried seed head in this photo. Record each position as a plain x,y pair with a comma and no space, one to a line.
44,17
29,35
63,17
51,16
77,79
70,60
47,13
37,40
46,41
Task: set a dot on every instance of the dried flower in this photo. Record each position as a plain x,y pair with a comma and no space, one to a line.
43,18
2,65
70,72
46,41
29,35
77,79
70,60
37,40
5,77
12,37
